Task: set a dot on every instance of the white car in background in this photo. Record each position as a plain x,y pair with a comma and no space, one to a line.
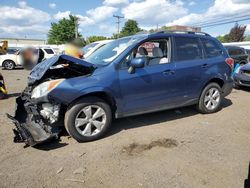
92,47
11,60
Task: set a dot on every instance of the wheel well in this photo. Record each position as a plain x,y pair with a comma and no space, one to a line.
219,81
102,95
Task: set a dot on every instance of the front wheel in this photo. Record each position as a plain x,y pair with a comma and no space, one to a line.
9,65
88,119
210,99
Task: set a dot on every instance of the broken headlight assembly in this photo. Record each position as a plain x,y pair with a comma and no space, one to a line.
44,88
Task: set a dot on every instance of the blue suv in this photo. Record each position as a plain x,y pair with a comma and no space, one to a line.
133,75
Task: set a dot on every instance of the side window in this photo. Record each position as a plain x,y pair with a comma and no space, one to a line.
211,48
154,52
187,49
48,51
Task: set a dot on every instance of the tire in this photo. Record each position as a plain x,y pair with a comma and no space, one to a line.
76,115
207,98
9,64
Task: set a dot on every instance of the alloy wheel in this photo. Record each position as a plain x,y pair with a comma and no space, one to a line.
8,65
212,98
90,120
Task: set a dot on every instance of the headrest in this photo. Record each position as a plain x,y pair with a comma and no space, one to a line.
157,52
143,51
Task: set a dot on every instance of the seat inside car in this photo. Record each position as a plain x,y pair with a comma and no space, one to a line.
158,57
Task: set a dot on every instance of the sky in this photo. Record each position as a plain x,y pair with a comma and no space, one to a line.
32,18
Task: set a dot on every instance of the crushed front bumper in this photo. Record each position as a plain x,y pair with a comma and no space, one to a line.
30,127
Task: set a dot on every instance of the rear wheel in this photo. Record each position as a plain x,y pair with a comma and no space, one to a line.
9,65
88,119
210,99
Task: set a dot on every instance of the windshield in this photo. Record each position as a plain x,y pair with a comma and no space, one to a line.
112,50
88,47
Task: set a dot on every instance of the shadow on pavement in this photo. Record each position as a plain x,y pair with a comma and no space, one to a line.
157,117
51,145
13,95
247,89
247,181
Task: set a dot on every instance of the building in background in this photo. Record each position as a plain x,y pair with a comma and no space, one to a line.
17,42
185,28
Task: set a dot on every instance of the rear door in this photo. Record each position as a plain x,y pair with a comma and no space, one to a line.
189,66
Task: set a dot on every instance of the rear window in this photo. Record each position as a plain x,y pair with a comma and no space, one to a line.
236,51
49,51
211,48
187,49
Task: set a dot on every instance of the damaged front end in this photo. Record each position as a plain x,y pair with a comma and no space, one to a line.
34,122
38,114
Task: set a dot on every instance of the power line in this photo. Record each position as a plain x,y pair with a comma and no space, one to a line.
219,20
224,23
118,23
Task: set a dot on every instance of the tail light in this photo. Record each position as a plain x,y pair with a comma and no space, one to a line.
230,62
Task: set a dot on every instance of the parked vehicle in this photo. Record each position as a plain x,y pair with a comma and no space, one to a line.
239,54
248,53
129,76
11,60
92,47
242,76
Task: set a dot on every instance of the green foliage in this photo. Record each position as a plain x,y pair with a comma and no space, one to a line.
223,38
130,28
63,31
96,38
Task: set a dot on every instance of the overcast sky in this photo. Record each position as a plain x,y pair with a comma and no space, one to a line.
32,18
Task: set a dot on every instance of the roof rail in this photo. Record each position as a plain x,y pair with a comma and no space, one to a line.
185,32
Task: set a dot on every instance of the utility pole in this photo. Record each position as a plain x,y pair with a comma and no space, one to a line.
76,28
118,23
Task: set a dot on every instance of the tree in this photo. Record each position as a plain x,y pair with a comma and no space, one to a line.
130,28
237,33
96,38
223,38
63,31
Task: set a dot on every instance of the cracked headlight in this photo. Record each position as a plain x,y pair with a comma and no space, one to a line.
44,88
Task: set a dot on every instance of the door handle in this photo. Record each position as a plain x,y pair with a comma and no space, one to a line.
168,72
205,65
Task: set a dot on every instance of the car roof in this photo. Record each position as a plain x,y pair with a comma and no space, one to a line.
174,33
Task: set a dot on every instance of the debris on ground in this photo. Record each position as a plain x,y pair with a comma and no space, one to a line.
82,154
79,171
59,170
75,180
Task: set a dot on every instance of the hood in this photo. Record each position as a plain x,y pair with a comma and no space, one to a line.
80,66
245,67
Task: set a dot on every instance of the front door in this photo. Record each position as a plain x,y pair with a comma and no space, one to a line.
150,88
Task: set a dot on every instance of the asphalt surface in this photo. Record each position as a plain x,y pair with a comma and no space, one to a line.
174,148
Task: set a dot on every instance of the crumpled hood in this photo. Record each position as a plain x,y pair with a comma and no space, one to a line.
40,69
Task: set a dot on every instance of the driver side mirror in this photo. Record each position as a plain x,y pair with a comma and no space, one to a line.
135,64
